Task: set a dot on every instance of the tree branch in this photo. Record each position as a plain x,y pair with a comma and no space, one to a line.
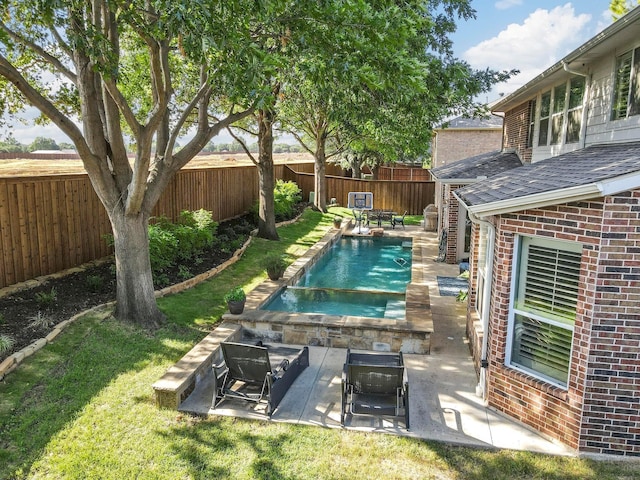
47,57
243,145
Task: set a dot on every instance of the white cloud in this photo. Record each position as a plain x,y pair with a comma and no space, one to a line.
506,4
531,47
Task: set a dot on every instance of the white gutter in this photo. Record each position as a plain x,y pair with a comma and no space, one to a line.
481,388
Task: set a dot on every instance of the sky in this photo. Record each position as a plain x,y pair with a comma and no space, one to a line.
526,35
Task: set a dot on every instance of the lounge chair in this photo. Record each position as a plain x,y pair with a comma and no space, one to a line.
375,384
398,220
247,375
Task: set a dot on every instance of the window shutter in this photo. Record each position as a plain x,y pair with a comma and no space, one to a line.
551,284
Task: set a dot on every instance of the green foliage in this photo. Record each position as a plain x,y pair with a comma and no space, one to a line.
619,8
236,294
184,272
95,282
42,143
46,299
286,196
6,343
172,243
274,263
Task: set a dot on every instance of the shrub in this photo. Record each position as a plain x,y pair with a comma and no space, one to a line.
95,282
274,264
41,320
287,195
6,343
170,243
236,294
46,299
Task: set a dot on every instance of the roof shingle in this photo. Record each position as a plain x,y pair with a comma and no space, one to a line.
580,167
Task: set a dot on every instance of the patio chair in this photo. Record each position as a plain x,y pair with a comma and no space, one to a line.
247,375
375,384
398,220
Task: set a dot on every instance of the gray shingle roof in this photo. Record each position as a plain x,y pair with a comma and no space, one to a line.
483,165
580,167
492,121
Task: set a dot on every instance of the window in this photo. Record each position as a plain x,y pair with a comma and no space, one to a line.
626,99
532,121
574,111
557,115
561,113
545,109
544,308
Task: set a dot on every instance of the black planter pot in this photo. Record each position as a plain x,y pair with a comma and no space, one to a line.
236,307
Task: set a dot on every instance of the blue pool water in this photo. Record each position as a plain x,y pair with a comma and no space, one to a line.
365,277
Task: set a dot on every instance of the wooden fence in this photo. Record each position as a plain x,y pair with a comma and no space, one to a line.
388,195
52,223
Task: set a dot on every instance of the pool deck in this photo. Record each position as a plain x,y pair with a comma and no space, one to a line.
443,403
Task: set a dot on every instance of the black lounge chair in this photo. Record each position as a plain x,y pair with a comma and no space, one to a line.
375,384
247,375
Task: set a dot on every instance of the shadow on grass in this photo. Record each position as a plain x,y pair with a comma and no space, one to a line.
230,449
50,390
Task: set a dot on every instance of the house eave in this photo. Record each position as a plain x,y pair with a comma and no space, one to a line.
538,200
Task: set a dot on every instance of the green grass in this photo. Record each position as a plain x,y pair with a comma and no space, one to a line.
83,408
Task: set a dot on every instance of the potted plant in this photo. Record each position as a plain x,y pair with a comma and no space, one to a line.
275,265
337,222
235,299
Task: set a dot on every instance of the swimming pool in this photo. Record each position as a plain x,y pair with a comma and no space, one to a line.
364,277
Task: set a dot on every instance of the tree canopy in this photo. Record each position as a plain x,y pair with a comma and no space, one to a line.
114,73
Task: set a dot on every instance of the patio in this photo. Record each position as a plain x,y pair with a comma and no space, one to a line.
443,403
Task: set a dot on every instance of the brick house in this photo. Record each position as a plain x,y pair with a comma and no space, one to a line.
554,298
457,139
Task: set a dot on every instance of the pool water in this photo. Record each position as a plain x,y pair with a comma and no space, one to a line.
363,264
365,277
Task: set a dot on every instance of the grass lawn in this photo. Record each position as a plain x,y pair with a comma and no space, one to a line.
83,408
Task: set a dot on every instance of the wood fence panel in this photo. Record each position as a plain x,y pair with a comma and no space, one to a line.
51,223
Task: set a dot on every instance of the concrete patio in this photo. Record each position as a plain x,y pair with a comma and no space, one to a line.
443,403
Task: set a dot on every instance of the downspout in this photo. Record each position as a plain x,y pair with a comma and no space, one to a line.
481,390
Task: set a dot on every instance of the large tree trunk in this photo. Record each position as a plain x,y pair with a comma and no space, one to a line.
320,182
266,177
135,298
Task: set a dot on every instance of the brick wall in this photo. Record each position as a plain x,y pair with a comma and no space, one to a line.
516,129
454,144
611,422
598,412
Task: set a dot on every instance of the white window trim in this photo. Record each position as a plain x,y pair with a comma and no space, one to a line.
563,133
515,272
634,51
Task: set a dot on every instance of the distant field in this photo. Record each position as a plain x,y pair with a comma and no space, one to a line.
21,167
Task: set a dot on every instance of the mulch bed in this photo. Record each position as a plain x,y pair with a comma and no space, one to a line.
31,314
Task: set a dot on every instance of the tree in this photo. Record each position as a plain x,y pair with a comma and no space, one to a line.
42,143
621,7
11,145
149,70
401,78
